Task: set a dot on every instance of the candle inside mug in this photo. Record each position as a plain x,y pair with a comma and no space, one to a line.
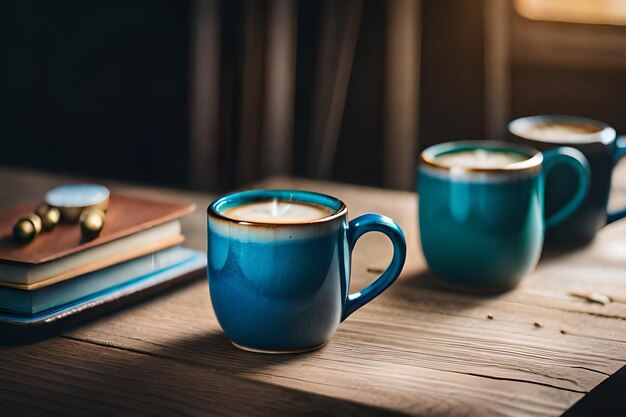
278,211
480,158
561,132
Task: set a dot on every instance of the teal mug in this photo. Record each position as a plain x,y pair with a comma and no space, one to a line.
482,223
283,287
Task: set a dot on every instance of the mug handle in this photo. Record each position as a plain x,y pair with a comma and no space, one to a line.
575,159
620,152
375,223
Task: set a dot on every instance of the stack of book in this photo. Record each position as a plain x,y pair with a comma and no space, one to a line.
59,274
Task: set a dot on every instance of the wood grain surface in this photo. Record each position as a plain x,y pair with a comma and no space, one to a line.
418,349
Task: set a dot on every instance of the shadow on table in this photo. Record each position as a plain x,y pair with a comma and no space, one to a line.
207,376
427,280
189,374
605,400
554,250
200,373
423,291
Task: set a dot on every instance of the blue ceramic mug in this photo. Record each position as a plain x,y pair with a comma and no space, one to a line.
283,288
484,227
602,148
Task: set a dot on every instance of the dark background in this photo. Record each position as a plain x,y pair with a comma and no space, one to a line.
97,88
102,88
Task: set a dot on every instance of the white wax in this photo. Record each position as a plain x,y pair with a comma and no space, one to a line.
560,132
480,158
277,211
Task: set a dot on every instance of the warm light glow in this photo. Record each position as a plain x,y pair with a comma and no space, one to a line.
609,12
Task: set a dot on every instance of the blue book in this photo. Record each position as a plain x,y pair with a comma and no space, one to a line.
145,270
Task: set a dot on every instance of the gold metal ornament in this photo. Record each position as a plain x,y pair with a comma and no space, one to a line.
50,216
91,223
27,228
84,203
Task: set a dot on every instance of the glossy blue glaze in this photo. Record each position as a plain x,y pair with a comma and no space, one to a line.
486,230
285,287
603,150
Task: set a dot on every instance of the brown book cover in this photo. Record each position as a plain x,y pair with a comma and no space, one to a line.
126,215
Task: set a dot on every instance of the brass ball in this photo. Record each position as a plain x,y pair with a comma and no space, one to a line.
24,231
50,216
36,220
91,223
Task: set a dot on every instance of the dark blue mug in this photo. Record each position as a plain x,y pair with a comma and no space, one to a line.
283,288
602,149
484,227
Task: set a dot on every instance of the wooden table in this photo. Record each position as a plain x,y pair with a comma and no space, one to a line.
416,350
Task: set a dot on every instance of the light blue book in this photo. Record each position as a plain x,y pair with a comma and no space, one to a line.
156,266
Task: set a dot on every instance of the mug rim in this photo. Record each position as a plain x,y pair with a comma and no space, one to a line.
265,195
532,164
605,135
